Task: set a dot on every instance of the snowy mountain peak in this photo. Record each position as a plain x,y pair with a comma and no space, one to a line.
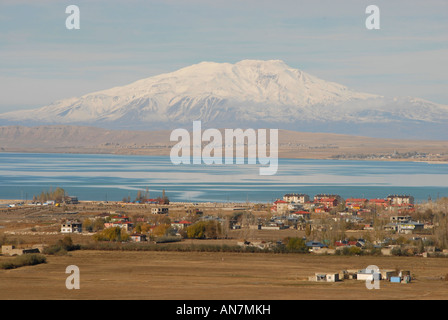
247,93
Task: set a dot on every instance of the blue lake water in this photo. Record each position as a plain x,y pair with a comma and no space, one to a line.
112,177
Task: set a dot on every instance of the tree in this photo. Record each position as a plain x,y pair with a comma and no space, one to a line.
140,197
212,229
308,230
441,229
295,244
160,230
204,229
56,195
196,231
87,224
98,224
112,234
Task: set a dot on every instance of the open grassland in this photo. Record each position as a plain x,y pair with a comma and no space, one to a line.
153,275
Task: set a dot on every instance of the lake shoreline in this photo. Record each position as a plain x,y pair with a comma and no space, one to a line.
161,154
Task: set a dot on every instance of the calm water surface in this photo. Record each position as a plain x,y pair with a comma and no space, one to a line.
112,177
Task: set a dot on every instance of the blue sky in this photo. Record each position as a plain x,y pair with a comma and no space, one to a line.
123,41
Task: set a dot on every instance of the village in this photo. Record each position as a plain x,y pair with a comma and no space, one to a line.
322,225
326,223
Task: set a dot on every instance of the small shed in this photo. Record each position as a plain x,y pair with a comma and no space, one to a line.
404,273
365,276
395,279
318,277
332,277
324,277
387,274
137,237
321,277
369,275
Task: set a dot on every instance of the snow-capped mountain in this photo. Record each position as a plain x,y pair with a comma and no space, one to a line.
250,93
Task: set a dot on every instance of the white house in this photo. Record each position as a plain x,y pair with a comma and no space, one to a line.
71,227
159,210
298,198
399,200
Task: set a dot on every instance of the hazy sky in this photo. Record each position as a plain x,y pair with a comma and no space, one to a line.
122,41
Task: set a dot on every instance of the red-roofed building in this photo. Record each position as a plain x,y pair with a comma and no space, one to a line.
137,237
328,202
302,214
119,218
321,210
280,206
380,202
126,225
181,224
356,203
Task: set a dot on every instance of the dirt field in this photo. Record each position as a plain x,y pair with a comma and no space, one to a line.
148,275
217,276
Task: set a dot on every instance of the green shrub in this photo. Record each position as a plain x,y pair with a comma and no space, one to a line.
295,244
62,247
29,259
355,251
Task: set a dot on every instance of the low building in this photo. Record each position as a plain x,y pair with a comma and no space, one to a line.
387,274
297,198
327,202
324,277
71,200
181,224
314,245
410,227
399,200
384,203
71,227
14,251
400,218
356,203
281,206
119,218
405,226
321,210
320,196
159,210
137,237
126,225
301,215
369,275
294,206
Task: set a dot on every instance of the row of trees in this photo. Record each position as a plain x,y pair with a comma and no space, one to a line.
204,229
199,230
112,234
144,197
56,195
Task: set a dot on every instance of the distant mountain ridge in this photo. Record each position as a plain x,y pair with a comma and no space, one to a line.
250,93
292,144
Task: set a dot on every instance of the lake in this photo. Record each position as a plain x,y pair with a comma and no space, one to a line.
112,177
